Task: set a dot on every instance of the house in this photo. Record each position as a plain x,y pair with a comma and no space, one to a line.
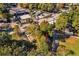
20,14
25,18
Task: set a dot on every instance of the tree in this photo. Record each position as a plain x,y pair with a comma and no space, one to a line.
5,37
7,16
4,11
45,27
61,22
75,7
31,28
30,6
9,47
45,7
16,34
42,48
76,23
39,32
60,6
50,7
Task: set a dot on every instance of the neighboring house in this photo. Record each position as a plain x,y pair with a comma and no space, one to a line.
50,20
40,15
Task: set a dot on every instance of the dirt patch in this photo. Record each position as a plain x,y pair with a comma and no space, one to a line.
71,40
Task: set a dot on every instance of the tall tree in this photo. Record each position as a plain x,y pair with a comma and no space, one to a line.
46,28
61,22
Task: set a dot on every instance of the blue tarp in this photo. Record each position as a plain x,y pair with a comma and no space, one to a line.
55,42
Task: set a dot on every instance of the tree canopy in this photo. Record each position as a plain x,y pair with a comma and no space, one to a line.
61,22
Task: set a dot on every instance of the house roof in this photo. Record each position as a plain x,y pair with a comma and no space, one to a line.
25,16
18,10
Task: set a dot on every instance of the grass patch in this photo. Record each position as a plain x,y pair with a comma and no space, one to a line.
73,44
